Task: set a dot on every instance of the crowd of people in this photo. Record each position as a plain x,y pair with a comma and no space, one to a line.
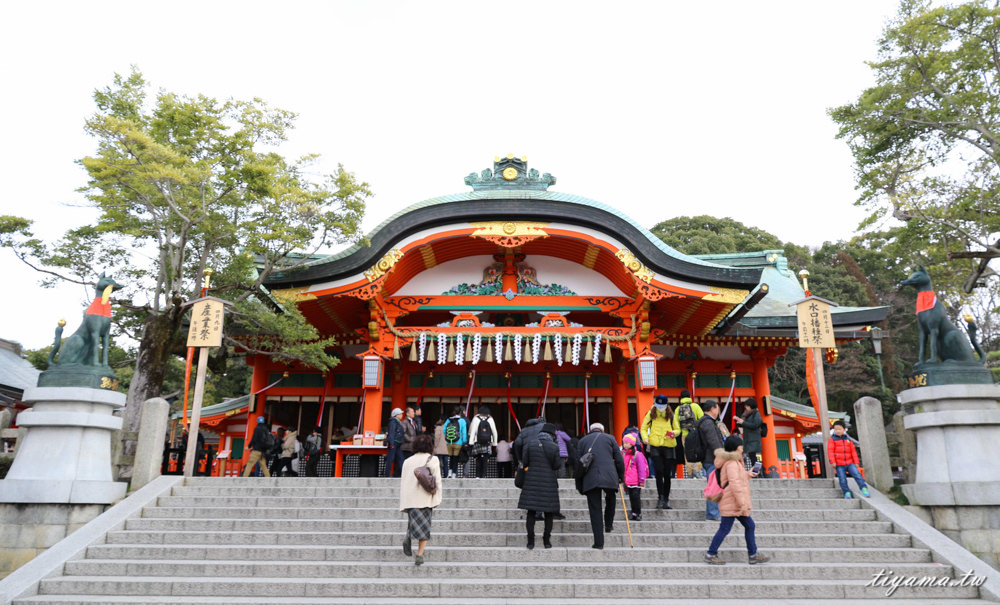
602,469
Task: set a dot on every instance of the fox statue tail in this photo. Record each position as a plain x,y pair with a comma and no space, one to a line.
973,330
57,342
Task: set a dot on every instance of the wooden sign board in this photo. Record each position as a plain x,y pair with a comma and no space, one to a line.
815,324
206,324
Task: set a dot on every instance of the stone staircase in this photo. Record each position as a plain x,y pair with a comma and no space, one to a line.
300,540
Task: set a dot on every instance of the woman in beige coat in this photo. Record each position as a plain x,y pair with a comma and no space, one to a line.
414,499
735,504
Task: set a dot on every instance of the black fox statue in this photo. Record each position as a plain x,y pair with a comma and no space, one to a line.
939,338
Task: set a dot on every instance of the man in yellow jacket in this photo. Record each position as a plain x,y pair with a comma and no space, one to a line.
659,433
686,415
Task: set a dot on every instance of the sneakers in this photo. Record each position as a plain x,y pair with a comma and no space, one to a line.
865,493
407,547
759,558
847,495
713,560
418,560
635,517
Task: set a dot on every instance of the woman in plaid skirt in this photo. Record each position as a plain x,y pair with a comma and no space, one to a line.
414,499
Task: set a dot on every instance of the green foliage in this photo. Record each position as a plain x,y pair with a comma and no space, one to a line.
926,137
185,184
5,462
710,235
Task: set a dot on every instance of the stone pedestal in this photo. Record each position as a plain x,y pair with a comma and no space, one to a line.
957,482
65,456
958,430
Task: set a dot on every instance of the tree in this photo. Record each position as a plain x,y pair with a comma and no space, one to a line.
926,137
711,235
183,184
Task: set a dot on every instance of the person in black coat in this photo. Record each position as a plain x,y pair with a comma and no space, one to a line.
711,440
540,493
606,473
527,435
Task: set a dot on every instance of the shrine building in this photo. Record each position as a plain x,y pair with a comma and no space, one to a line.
529,300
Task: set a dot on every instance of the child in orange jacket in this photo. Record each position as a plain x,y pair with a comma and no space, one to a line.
844,456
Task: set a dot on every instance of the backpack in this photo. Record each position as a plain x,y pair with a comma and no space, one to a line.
763,428
269,442
685,417
484,434
452,435
713,491
694,449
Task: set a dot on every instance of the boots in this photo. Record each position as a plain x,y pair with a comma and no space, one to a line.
661,503
530,526
547,540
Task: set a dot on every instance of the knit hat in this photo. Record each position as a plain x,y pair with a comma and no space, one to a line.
733,442
685,394
396,412
597,426
260,420
661,402
549,428
629,439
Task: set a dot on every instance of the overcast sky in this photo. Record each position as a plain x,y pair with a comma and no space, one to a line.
658,109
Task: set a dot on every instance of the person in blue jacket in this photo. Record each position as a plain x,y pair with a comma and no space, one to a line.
456,435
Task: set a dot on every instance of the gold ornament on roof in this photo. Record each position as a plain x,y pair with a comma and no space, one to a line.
384,264
634,265
730,296
509,234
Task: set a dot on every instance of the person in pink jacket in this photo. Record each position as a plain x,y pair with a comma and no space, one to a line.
735,504
636,472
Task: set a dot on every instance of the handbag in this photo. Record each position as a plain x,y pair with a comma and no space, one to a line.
519,476
425,478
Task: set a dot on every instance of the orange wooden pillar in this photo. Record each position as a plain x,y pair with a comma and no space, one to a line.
619,401
256,408
372,420
762,388
400,382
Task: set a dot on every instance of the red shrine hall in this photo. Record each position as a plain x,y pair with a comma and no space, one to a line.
530,301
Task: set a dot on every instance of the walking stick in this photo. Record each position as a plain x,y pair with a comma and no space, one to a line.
625,512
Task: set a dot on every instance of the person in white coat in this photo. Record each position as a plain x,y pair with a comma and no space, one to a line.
415,500
483,437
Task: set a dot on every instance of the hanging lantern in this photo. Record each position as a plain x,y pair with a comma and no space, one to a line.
372,374
646,371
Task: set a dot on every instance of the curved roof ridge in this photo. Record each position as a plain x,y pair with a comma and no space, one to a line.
557,196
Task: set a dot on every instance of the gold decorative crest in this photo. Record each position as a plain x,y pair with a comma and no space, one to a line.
383,265
730,296
509,234
293,295
634,265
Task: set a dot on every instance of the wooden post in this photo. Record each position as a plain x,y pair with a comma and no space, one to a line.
824,413
199,393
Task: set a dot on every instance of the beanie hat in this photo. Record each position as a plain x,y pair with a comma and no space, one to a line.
549,428
733,442
260,420
396,412
629,439
685,394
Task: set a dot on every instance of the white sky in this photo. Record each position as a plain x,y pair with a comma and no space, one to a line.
658,109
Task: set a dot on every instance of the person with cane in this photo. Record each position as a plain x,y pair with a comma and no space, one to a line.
601,472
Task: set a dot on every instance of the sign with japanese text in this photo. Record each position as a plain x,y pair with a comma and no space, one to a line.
815,324
206,324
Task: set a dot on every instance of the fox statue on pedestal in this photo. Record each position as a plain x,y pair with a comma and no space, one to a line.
89,345
942,339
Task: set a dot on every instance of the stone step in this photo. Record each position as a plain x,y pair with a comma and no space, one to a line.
513,514
491,542
349,552
408,588
466,501
402,567
184,600
288,512
359,482
646,527
690,490
677,550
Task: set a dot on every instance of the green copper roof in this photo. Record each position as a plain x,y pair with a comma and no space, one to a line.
518,194
220,408
800,409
